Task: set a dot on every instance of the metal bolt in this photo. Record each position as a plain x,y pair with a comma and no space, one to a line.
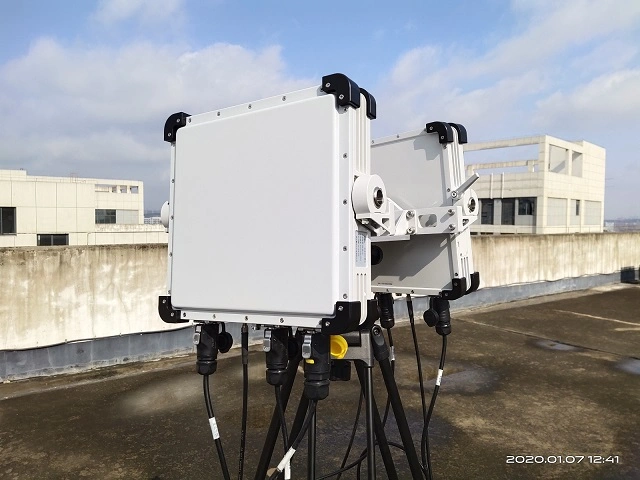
411,230
327,85
397,136
341,96
214,316
454,194
173,180
169,292
344,202
249,105
184,314
344,249
430,128
189,120
172,314
344,296
164,300
284,97
364,221
170,254
441,137
452,226
344,155
168,134
455,274
282,320
327,323
410,214
218,113
171,217
450,211
246,318
340,308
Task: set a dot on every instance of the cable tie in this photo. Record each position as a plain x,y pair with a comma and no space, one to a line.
214,428
286,459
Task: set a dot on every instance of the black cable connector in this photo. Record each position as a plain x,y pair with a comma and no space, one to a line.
206,340
387,317
439,315
317,368
277,355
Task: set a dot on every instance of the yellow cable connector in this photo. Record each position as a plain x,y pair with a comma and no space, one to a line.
338,346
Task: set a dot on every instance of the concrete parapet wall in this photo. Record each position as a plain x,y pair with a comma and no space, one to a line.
58,295
61,294
515,259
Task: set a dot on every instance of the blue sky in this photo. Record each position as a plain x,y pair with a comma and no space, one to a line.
85,86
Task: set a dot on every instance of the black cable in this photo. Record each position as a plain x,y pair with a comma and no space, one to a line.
355,422
296,443
244,340
393,367
353,434
416,349
361,459
283,422
425,430
218,441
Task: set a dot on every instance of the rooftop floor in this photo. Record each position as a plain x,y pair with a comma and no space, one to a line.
553,376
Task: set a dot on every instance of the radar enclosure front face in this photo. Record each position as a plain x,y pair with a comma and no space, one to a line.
261,223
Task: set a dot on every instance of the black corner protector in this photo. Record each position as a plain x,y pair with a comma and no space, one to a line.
346,91
173,123
443,129
371,104
346,318
373,314
475,283
462,132
459,289
167,312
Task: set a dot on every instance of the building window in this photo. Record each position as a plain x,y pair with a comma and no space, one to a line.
105,215
577,208
508,211
486,211
134,189
49,239
7,220
123,189
526,206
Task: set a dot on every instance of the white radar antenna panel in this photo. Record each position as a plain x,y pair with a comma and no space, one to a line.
260,217
423,244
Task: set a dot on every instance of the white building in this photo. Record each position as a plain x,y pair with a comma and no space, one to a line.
559,191
41,211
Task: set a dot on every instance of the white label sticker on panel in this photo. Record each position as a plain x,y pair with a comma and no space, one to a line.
361,249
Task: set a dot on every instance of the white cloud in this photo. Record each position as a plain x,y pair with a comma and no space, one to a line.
554,27
110,12
615,95
97,110
498,88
